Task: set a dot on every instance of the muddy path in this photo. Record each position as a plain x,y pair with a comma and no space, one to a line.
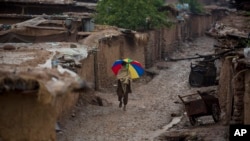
153,107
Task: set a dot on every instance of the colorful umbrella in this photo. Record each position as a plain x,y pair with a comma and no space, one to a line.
134,67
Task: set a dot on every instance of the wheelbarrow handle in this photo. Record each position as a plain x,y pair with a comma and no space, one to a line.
188,95
181,98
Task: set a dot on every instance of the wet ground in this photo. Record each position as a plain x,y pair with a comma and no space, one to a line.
154,111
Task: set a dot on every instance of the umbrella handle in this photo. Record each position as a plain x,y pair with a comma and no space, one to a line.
127,66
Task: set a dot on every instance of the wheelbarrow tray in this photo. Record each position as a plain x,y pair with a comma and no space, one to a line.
197,108
195,105
201,104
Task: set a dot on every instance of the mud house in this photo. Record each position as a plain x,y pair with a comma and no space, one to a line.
34,93
233,90
233,87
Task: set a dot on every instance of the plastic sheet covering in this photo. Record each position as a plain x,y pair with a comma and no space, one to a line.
247,53
75,54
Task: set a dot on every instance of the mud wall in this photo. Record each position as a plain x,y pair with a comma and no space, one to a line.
225,90
87,70
64,103
233,92
22,117
238,90
108,52
247,98
111,49
134,49
164,41
198,24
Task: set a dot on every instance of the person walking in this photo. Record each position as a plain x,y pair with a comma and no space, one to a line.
124,85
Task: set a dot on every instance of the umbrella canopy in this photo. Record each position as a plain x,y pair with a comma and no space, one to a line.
134,67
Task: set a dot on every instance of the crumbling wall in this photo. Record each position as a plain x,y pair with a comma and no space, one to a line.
161,43
164,41
225,90
23,117
87,70
64,104
133,48
233,92
199,24
150,50
109,50
33,98
247,98
238,82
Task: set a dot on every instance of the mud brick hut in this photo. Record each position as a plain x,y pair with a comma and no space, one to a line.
233,34
233,91
234,87
35,90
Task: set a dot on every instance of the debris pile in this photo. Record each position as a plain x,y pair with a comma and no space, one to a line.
221,30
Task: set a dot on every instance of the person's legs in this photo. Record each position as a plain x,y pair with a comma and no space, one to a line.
120,99
125,100
119,93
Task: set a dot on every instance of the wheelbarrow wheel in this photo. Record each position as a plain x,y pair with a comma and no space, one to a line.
192,120
215,112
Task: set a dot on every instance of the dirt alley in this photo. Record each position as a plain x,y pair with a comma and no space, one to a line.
151,107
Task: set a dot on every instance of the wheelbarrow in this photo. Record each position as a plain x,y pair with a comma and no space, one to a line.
201,104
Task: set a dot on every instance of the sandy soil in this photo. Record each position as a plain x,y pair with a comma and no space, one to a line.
154,111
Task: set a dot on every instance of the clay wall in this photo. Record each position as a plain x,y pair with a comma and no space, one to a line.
87,70
164,41
233,92
199,24
131,48
247,98
108,52
111,49
64,103
22,117
225,91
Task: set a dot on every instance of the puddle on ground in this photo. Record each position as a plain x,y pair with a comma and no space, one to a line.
157,133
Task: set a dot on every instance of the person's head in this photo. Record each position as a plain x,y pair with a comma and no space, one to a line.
124,64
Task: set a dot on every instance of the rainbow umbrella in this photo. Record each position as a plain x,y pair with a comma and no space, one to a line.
134,67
